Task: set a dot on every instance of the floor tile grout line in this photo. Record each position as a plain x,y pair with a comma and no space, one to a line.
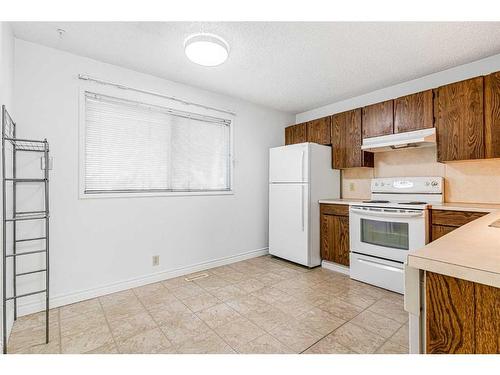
109,326
390,337
347,321
158,326
329,333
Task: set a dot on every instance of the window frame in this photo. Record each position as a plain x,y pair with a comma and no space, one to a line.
148,100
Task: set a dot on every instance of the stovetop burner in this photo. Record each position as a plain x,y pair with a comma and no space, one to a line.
376,201
413,203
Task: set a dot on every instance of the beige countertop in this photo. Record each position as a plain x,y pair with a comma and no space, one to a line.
453,206
341,201
471,252
474,207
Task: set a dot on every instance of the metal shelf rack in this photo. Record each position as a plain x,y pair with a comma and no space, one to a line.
22,145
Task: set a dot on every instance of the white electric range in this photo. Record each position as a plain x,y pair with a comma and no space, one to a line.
382,230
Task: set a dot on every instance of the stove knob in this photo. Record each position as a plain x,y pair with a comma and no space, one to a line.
434,183
427,183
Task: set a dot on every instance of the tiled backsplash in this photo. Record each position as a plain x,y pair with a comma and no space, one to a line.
474,181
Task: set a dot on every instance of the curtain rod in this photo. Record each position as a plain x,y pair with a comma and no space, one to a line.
85,77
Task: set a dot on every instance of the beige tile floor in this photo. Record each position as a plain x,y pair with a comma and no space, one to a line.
261,305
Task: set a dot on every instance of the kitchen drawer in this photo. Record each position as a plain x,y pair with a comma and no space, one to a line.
376,271
454,218
335,209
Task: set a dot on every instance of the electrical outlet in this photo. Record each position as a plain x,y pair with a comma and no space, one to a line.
351,186
156,260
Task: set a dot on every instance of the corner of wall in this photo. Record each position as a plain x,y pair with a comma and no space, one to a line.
6,98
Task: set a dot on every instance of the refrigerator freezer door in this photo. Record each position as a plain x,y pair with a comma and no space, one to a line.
289,163
289,222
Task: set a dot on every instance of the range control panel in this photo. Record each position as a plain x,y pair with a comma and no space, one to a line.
413,185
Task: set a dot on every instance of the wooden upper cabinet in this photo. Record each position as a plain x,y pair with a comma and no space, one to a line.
492,115
413,112
318,131
346,141
296,134
378,119
458,113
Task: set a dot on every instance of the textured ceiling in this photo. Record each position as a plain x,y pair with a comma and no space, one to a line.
291,66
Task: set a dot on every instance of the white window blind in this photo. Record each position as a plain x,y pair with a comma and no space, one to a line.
133,147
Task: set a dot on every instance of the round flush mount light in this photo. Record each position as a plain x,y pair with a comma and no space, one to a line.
206,49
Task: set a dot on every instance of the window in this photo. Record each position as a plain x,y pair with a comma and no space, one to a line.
131,147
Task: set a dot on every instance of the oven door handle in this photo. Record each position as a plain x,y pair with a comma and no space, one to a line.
380,265
386,213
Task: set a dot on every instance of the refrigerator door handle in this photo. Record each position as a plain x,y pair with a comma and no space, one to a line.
302,167
302,207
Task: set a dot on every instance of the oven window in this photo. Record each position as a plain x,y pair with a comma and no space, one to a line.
386,234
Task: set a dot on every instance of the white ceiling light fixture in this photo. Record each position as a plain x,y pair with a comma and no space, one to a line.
206,49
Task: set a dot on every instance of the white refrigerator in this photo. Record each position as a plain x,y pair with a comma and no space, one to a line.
299,176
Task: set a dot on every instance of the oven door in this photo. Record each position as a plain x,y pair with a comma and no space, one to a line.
385,232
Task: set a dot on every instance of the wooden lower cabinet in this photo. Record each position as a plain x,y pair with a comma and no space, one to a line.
445,221
335,233
461,316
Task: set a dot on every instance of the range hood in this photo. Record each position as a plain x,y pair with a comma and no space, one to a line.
417,138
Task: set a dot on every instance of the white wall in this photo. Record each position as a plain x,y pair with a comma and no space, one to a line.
6,98
474,69
103,245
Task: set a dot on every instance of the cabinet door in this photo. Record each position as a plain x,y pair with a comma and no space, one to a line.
378,119
296,134
487,319
346,141
318,131
449,315
334,237
492,115
327,237
458,112
341,244
413,112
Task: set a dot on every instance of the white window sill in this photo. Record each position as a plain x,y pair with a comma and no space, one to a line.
154,194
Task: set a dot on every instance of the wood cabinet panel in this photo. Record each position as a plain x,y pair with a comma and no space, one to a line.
438,231
450,312
335,209
346,141
454,218
341,248
492,115
487,319
378,119
461,316
413,112
334,233
458,112
327,237
296,134
318,131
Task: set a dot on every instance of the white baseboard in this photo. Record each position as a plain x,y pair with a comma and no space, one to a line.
66,299
335,267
